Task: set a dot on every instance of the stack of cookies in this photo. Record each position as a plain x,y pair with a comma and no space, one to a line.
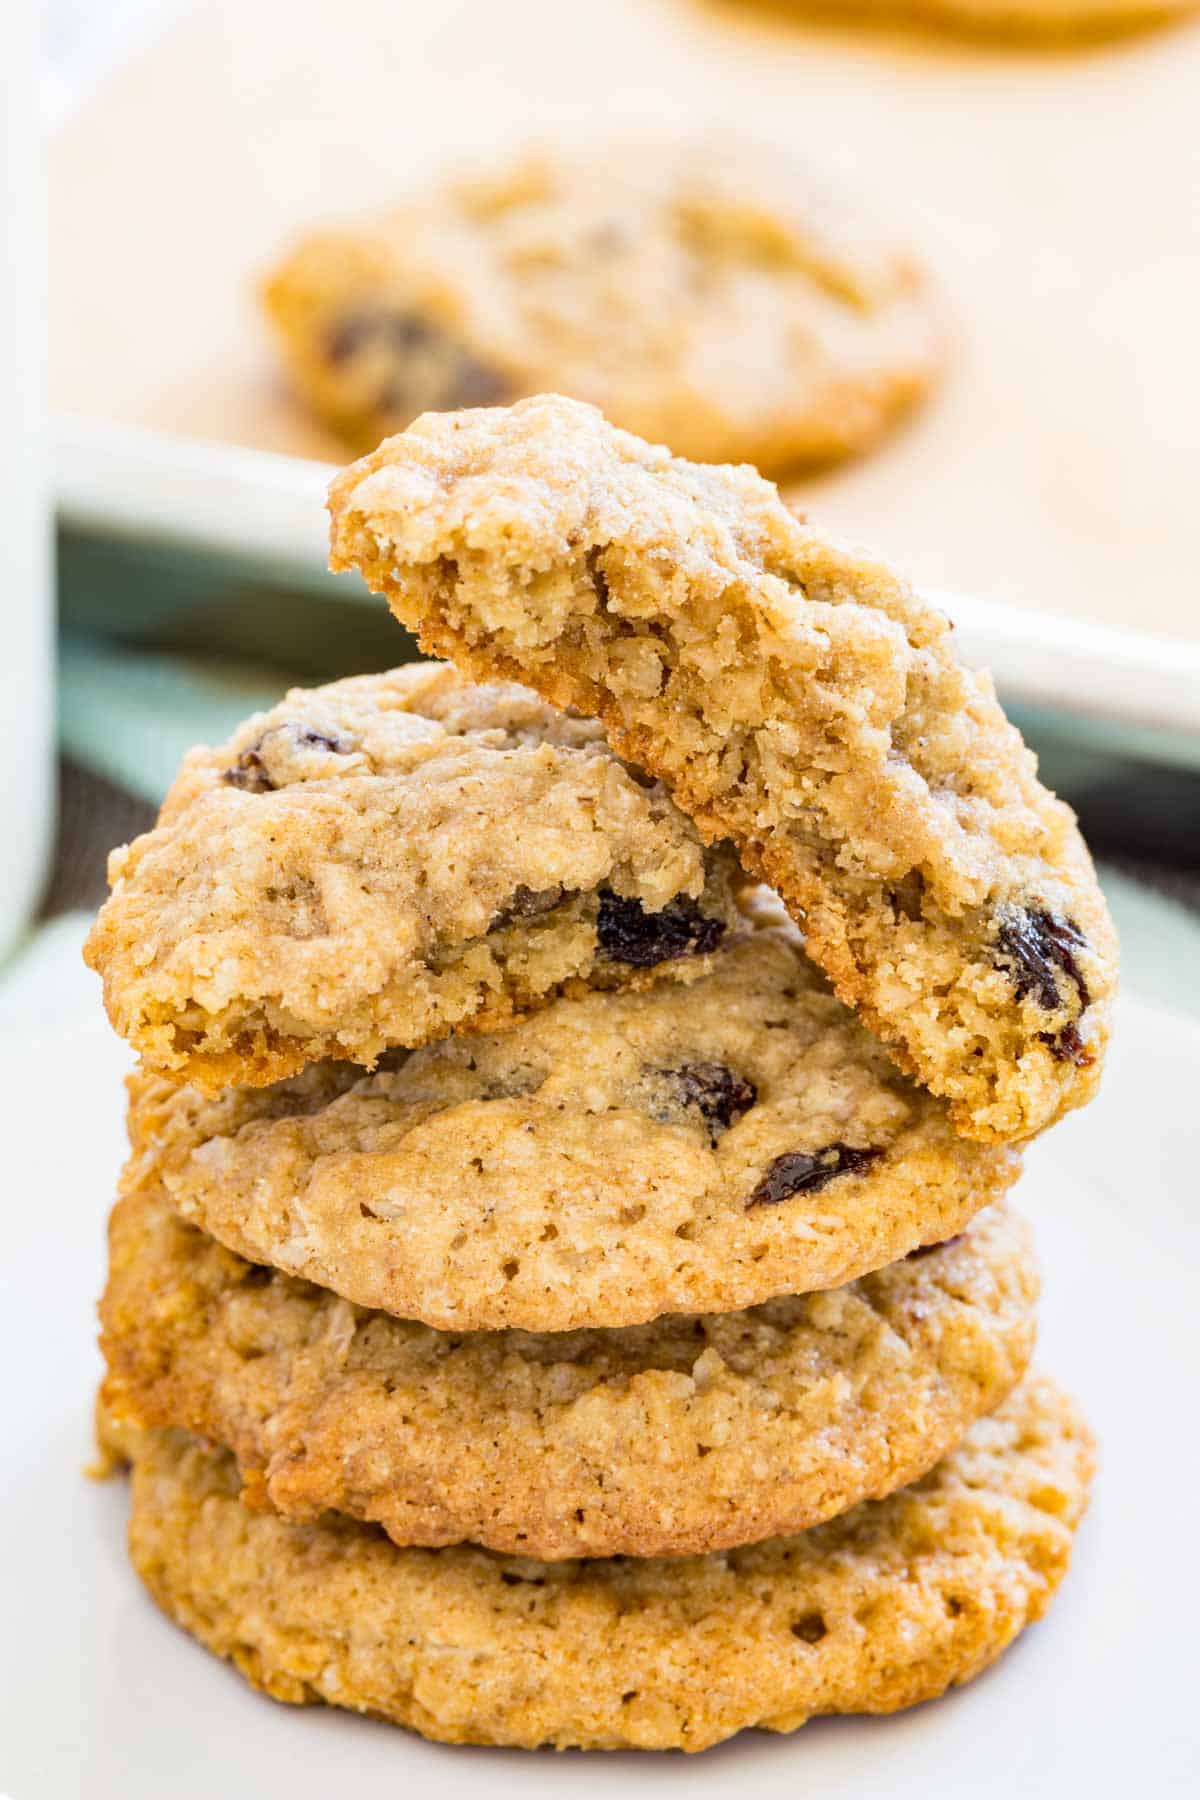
562,1293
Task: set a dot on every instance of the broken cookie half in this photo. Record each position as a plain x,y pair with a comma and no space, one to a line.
386,860
794,697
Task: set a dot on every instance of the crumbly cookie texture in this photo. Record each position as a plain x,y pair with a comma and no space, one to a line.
713,296
388,859
689,1434
888,1605
1047,20
604,1161
795,697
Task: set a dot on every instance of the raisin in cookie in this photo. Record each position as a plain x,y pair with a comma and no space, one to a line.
710,296
794,696
386,860
888,1605
689,1434
610,1158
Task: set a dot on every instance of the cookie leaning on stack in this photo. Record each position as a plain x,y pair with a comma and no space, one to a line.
504,1175
795,697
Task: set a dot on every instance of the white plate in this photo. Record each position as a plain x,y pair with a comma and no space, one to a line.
267,513
108,1701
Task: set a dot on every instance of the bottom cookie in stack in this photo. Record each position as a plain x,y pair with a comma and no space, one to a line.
887,1605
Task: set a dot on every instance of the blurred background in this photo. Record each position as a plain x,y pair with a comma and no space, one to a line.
1044,490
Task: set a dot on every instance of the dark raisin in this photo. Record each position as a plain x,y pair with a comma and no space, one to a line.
511,1580
250,771
334,742
928,1249
374,325
630,934
1036,946
421,368
807,1171
1067,1046
527,903
810,1629
717,1093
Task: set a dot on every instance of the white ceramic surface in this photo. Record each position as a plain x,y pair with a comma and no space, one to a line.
105,1700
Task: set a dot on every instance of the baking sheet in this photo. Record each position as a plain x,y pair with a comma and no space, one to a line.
1056,193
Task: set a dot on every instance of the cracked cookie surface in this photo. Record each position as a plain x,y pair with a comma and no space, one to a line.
888,1605
689,1434
388,859
608,1159
795,697
710,296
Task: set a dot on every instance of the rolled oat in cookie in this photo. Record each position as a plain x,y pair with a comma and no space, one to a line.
888,1605
388,859
795,697
599,1163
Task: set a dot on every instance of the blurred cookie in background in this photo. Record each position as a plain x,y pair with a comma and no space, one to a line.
1018,20
709,294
